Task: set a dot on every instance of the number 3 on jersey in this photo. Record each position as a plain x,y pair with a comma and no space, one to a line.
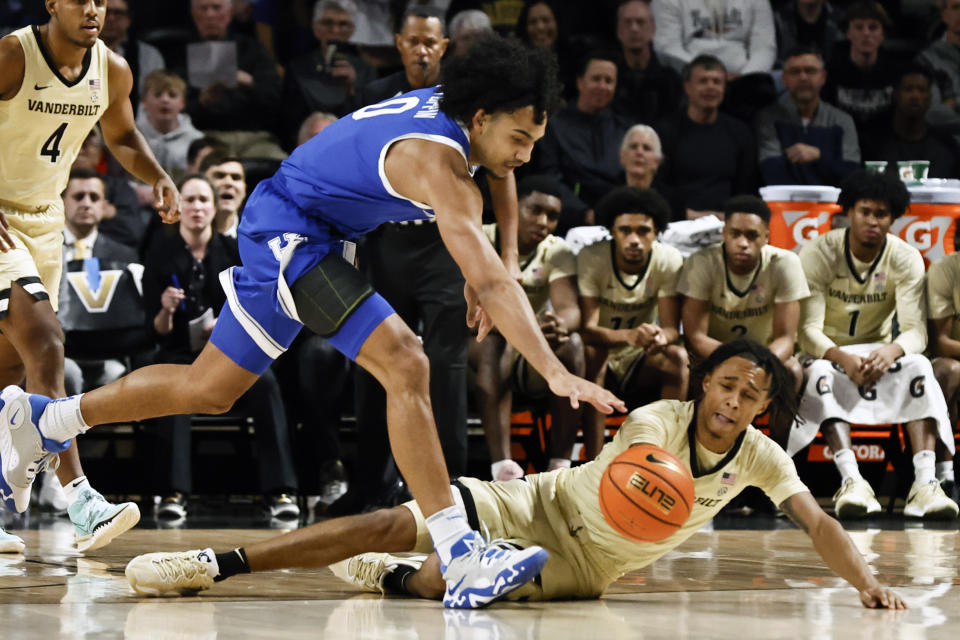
51,147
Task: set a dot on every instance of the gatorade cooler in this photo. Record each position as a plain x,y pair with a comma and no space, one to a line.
800,213
930,224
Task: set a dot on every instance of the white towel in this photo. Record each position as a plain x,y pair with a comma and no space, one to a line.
908,391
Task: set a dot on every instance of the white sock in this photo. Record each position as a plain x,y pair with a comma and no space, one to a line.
846,463
73,488
62,419
559,463
209,558
446,527
924,466
945,470
496,466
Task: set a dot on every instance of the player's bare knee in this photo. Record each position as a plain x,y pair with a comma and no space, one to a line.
45,351
409,370
204,394
571,354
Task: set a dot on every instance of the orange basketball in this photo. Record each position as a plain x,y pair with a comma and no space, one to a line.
646,493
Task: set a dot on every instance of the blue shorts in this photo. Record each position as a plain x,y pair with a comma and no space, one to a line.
259,321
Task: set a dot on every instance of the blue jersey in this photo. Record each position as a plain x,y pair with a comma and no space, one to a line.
338,176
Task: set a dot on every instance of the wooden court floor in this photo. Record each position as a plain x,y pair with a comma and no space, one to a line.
720,584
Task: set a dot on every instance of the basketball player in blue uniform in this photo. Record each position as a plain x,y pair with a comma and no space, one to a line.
407,158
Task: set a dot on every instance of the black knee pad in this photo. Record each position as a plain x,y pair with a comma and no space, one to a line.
326,295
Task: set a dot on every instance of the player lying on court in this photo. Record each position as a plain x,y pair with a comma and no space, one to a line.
407,158
560,510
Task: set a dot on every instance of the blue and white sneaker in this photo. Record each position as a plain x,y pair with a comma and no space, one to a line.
98,522
10,543
482,572
24,451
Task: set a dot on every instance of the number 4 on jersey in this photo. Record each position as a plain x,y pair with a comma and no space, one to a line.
51,147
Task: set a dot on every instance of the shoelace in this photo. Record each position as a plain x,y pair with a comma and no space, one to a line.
174,568
368,573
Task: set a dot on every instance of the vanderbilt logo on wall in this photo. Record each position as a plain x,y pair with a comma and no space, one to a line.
95,296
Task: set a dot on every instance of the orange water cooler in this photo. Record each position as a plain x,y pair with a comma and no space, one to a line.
800,213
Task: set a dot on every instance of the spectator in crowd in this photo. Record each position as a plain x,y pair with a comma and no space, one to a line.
142,57
421,43
167,129
314,124
859,278
581,145
708,155
283,28
538,25
85,205
123,221
908,136
806,23
465,27
943,307
331,76
199,149
181,293
861,75
744,288
740,33
229,180
646,89
239,112
549,271
943,56
641,156
629,308
802,139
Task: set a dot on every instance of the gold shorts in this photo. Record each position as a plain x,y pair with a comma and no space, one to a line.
525,512
623,361
36,262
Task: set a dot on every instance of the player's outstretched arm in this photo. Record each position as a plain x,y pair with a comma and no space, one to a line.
129,146
437,174
838,551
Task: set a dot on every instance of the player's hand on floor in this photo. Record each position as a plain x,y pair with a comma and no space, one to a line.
580,390
880,597
6,242
166,199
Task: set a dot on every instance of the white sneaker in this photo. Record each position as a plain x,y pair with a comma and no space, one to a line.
927,500
368,570
855,499
24,452
51,496
184,572
10,543
484,572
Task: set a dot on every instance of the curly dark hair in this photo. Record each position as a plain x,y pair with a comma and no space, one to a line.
632,200
783,400
497,74
865,185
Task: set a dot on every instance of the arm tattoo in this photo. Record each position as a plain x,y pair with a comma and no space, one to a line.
788,509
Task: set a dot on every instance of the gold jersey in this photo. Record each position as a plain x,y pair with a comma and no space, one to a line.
743,309
853,302
627,300
45,124
754,460
943,291
550,260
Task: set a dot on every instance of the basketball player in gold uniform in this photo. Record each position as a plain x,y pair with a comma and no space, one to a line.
560,510
744,288
56,82
858,278
548,276
943,326
629,304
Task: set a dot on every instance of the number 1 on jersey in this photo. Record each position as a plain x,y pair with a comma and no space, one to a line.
51,147
853,322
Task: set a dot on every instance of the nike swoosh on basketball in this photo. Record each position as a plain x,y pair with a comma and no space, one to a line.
37,87
652,458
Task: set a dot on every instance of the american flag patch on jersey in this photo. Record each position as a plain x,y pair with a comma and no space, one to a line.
728,478
94,84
